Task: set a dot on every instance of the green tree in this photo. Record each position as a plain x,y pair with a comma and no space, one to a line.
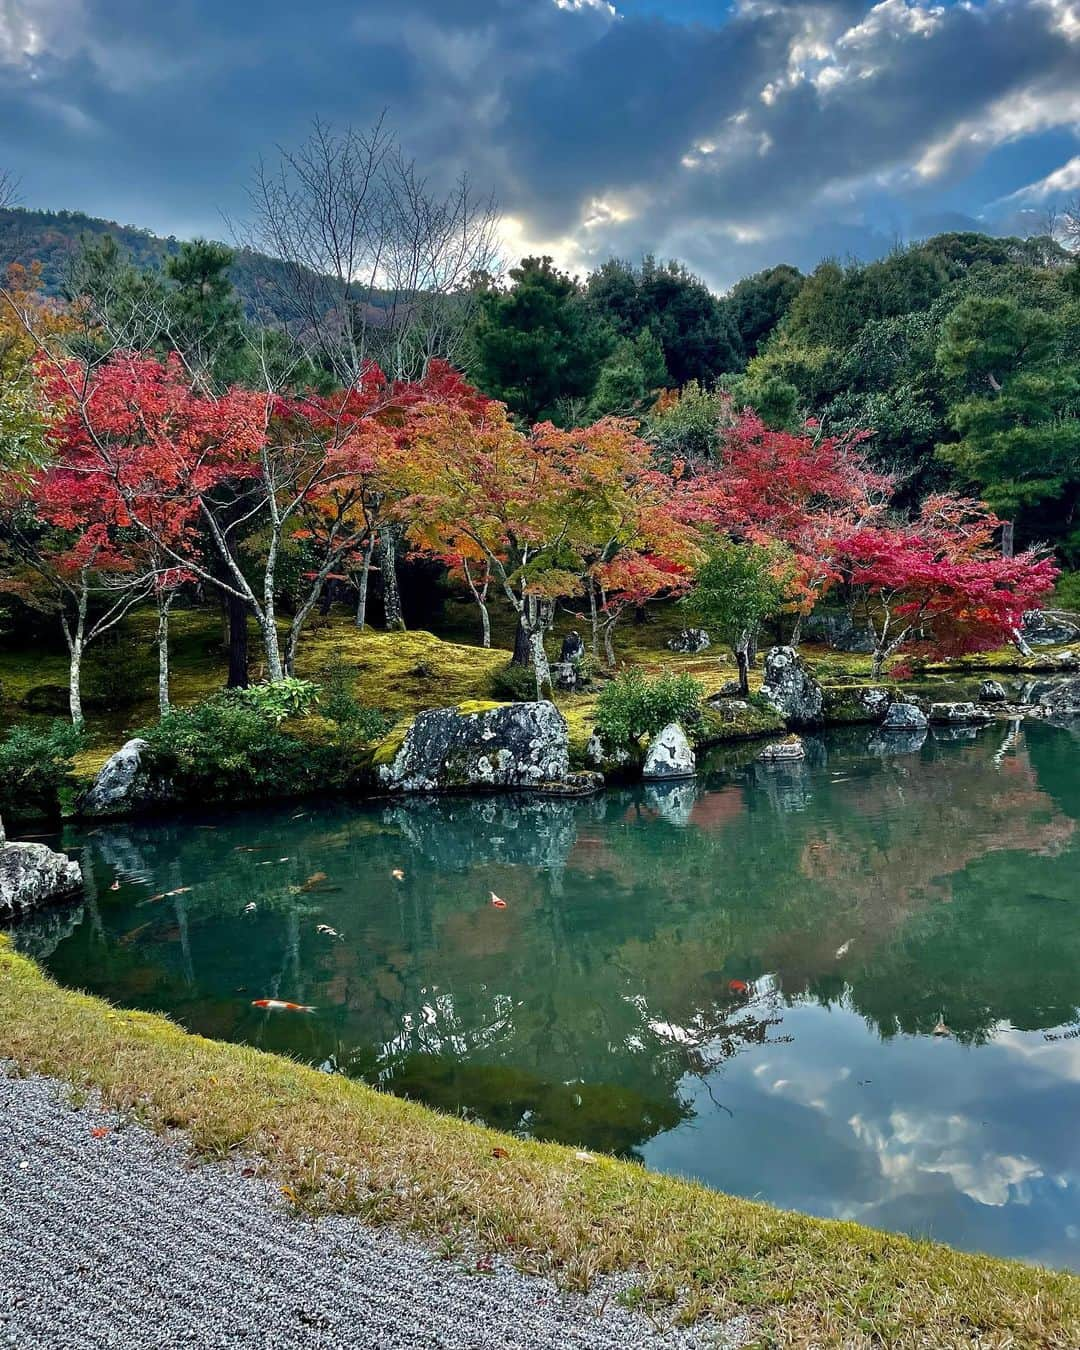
758,303
633,373
1018,416
737,589
535,343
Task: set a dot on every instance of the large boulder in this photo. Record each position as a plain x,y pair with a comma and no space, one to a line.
690,641
904,717
124,785
669,755
992,691
1041,629
500,746
33,874
839,631
1062,698
791,689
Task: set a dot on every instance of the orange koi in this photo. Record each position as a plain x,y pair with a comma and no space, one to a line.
737,986
281,1005
497,901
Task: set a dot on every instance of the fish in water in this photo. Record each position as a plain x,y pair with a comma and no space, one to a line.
497,901
942,1030
250,907
116,885
327,931
844,948
398,874
281,1005
737,986
314,880
180,890
130,937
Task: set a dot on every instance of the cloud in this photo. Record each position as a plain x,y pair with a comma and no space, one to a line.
777,129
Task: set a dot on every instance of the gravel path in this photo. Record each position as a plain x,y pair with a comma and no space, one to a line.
119,1240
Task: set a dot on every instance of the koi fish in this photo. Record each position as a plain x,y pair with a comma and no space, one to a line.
250,907
314,880
327,930
844,948
737,986
150,899
281,1005
398,874
116,885
180,890
497,902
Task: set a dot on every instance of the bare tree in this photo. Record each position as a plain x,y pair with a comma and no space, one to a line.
9,189
376,263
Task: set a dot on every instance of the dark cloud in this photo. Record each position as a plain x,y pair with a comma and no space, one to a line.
778,129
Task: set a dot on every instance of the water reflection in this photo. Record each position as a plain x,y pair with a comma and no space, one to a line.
738,977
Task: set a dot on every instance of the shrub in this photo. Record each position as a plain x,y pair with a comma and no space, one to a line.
284,698
632,706
1067,591
35,768
514,684
356,723
228,748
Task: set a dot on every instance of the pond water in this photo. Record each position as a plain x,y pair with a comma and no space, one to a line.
737,980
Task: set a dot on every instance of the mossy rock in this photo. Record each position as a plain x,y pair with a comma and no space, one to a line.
46,698
388,747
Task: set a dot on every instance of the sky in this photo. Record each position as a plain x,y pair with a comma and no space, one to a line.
732,134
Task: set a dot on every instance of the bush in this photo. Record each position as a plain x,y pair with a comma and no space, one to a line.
632,706
356,723
228,748
285,698
514,684
35,768
1067,591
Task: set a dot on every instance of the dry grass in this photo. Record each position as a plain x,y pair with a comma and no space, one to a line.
335,1145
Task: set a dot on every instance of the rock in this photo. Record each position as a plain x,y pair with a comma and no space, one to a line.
569,676
689,641
573,649
992,691
957,714
1042,629
673,800
1062,698
959,732
586,783
46,698
782,752
669,755
874,700
33,874
124,785
904,717
498,747
729,689
898,740
602,759
791,689
839,631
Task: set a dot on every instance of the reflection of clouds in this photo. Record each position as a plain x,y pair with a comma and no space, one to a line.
912,1145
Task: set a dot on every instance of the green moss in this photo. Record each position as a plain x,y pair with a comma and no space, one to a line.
478,705
388,747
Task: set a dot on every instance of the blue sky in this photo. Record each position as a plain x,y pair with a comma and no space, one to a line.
732,135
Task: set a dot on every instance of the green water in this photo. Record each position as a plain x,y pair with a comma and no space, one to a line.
861,898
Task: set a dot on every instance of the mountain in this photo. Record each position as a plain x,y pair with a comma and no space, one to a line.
51,238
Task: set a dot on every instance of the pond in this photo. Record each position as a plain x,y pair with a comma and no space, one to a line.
848,986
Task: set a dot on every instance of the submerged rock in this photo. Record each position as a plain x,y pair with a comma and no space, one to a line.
499,746
669,755
33,874
791,689
782,752
957,714
690,641
898,740
124,785
904,717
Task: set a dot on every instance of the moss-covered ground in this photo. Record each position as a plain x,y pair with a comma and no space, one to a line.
337,1146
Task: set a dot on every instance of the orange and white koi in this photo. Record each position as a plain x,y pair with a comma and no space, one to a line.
281,1005
398,874
497,901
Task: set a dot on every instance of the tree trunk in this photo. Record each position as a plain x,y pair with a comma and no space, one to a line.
327,597
743,662
521,656
877,662
609,644
362,585
751,648
594,620
238,642
391,595
540,662
485,624
164,604
1006,538
75,681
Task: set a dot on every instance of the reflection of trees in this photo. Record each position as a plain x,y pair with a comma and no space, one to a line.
578,1012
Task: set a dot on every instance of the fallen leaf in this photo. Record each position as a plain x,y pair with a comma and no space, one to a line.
99,1131
500,1153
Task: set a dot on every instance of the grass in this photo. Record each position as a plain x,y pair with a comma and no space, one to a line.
337,1146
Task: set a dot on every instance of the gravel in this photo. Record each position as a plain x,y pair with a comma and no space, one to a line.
120,1238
